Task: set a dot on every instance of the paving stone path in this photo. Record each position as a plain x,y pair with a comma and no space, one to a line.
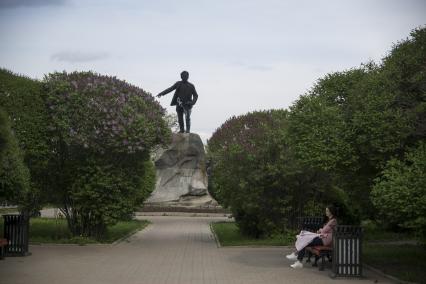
173,249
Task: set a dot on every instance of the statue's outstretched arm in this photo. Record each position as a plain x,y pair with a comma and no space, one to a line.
168,90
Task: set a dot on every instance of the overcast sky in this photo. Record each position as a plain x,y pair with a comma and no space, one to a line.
242,55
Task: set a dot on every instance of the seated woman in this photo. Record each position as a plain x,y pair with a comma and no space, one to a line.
322,238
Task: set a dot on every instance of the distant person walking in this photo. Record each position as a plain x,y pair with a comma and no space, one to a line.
184,98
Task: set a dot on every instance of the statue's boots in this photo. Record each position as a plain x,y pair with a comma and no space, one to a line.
181,126
188,126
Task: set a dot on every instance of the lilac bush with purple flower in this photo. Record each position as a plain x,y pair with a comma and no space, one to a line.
101,133
103,113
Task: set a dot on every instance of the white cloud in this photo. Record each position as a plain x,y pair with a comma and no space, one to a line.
242,55
78,56
30,3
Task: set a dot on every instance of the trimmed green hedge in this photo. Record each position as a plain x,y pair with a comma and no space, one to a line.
14,175
22,99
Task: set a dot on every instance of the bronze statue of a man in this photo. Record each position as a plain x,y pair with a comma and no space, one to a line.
184,98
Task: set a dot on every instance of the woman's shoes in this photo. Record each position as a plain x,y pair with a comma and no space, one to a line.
297,264
292,256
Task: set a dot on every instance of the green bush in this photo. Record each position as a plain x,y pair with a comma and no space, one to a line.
254,173
341,127
400,193
404,75
101,133
14,175
351,123
239,172
22,99
329,148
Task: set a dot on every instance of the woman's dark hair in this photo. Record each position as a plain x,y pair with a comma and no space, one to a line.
334,210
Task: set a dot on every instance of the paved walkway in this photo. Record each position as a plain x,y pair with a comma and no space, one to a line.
172,249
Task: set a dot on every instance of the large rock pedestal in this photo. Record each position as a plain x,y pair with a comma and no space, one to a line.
181,176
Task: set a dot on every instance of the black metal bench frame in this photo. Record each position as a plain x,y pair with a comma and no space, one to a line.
345,252
311,224
320,252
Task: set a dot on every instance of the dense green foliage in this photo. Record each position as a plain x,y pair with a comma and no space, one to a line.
400,192
14,175
254,173
330,147
22,99
101,132
86,140
243,175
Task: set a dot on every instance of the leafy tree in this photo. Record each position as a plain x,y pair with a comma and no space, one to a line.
331,146
399,194
255,174
351,123
321,133
387,111
14,175
404,75
240,169
101,133
22,99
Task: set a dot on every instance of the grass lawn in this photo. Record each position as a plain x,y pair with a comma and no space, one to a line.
48,230
228,234
382,235
406,262
8,210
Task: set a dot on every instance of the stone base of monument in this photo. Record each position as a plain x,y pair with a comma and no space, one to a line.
182,209
182,181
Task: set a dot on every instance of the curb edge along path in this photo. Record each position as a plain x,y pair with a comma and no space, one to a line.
172,249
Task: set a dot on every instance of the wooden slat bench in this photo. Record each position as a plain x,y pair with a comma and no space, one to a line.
3,244
319,252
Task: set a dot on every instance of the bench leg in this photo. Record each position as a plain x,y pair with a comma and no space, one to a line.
315,264
322,263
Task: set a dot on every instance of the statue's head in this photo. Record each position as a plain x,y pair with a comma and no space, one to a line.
184,75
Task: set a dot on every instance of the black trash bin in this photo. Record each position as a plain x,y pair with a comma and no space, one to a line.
16,230
347,245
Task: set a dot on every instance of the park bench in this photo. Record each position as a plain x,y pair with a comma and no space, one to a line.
345,252
311,224
320,252
3,244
